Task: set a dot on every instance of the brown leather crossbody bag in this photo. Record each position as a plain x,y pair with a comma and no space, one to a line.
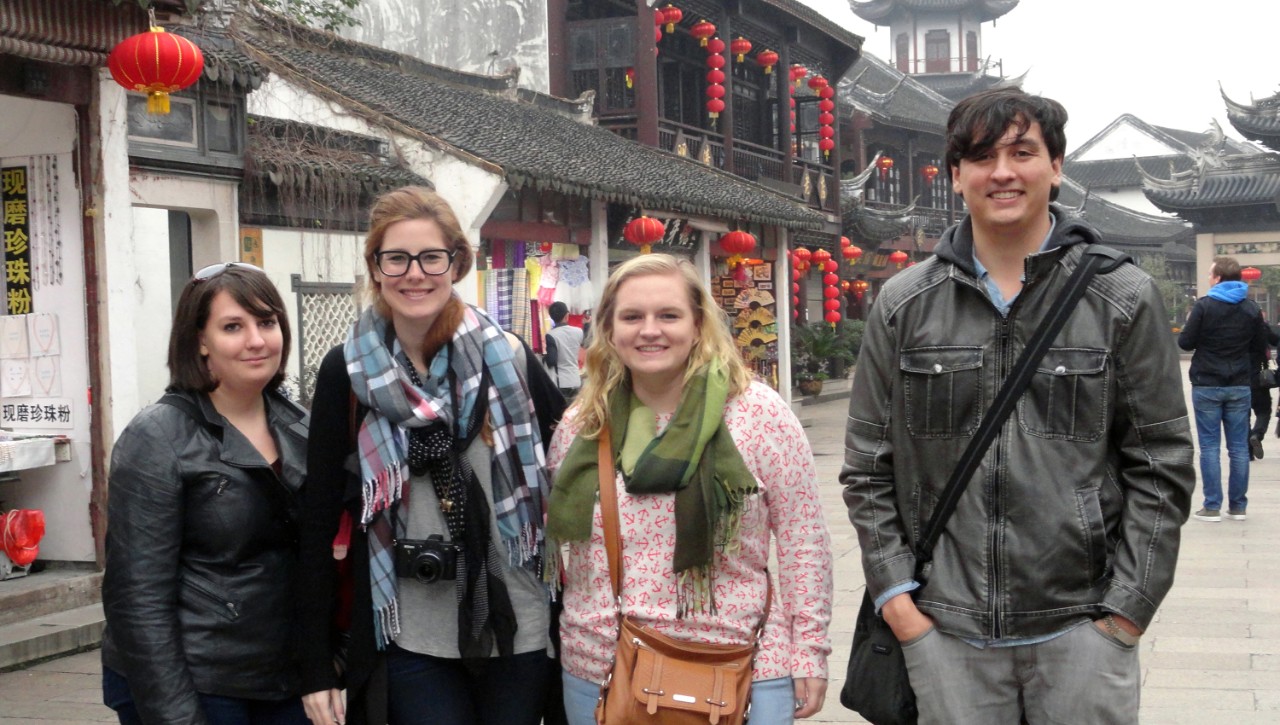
658,679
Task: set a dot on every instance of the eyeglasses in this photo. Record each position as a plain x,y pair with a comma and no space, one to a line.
396,264
213,270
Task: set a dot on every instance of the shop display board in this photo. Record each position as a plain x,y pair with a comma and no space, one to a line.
749,301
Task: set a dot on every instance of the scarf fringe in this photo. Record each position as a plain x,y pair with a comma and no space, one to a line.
379,493
386,624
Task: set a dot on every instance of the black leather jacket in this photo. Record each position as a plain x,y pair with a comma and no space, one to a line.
1075,510
201,559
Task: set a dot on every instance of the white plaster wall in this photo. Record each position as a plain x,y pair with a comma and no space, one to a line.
917,29
27,128
1125,141
478,36
470,186
153,301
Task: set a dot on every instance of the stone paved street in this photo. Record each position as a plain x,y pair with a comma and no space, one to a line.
1213,654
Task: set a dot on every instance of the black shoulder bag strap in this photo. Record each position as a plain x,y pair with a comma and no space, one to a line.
1097,259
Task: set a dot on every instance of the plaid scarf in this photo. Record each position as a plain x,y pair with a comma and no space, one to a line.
518,478
695,457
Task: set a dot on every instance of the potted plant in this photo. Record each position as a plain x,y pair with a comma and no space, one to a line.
810,383
821,348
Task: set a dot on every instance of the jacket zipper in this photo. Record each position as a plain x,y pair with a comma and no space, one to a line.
232,610
1002,355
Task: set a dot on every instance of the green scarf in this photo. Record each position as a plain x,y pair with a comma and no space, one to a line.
695,457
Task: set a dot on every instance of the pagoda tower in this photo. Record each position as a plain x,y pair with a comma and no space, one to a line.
939,42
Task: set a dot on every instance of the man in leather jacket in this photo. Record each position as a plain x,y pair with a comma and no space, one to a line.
1064,541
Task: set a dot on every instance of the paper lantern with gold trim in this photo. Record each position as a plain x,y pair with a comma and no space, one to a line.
643,231
156,63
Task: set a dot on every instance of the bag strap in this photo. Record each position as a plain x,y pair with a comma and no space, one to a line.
1097,259
613,530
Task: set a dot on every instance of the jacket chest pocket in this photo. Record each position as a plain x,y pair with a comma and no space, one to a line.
1067,397
942,387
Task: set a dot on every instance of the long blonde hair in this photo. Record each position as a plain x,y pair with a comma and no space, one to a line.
605,371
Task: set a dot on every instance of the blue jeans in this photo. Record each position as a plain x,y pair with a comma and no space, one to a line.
773,702
426,690
1218,411
218,710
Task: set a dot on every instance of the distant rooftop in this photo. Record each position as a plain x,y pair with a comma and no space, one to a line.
884,12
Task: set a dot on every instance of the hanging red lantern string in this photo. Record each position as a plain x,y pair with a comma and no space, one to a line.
715,75
643,231
156,63
817,83
671,15
1250,274
702,30
852,254
820,257
802,255
929,172
832,302
740,47
715,91
738,244
767,59
826,131
899,257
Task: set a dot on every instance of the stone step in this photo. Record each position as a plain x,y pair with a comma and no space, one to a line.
52,634
48,592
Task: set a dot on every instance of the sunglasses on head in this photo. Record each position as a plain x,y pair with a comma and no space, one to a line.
214,270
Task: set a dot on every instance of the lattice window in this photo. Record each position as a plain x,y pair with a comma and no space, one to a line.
325,313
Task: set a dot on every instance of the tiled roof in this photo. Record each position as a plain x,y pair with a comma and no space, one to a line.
1240,181
881,11
1196,139
1119,225
1259,121
893,97
224,61
819,21
533,144
957,86
1115,173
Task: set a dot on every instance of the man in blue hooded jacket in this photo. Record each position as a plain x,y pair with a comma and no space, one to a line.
1227,332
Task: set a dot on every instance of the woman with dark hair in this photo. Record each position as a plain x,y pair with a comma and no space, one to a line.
201,538
427,475
712,468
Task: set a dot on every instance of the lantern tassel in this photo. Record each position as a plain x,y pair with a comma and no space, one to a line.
158,102
644,248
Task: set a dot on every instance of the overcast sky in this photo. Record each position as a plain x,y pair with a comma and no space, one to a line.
1160,60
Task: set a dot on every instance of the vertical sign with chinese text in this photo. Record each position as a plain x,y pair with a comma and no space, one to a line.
251,246
17,247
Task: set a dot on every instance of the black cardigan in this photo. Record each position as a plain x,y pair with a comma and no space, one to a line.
333,485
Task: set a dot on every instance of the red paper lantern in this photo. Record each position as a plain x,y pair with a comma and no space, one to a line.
826,132
740,47
1250,274
657,35
715,75
929,172
826,145
738,242
714,107
833,317
802,254
715,60
852,253
831,304
826,118
844,242
860,287
830,278
631,77
156,63
802,266
845,285
715,90
715,45
672,15
795,273
820,256
798,72
826,91
826,105
830,292
767,59
643,231
898,258
817,83
830,265
702,30
884,165
795,288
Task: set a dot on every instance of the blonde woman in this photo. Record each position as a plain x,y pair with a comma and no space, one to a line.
712,467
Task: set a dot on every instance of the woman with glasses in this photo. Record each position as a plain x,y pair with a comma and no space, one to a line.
202,543
427,476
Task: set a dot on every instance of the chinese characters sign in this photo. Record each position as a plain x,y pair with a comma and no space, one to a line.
17,249
50,413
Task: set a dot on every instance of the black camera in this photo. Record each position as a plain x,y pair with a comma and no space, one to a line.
427,560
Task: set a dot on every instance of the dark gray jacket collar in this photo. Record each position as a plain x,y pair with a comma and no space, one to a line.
956,245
